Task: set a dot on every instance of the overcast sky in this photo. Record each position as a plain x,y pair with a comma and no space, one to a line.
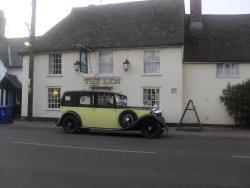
49,12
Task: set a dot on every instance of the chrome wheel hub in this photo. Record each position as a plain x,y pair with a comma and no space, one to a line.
149,128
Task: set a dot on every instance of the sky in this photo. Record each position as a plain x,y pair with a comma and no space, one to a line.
50,12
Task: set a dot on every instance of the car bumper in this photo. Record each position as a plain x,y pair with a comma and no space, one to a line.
57,122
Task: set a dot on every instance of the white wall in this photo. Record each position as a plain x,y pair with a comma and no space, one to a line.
132,82
201,84
2,70
2,73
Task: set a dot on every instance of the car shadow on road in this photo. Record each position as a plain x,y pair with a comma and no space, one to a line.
124,134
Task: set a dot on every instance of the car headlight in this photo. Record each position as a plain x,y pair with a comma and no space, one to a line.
155,110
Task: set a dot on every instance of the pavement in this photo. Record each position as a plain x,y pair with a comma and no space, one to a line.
207,132
37,154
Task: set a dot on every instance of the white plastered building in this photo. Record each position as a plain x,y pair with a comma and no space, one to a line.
172,58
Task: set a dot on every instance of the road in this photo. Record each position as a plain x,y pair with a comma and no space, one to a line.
34,157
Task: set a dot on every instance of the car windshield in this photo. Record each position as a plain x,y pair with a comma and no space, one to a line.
121,100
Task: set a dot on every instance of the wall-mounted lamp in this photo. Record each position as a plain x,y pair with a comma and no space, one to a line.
126,64
27,43
77,66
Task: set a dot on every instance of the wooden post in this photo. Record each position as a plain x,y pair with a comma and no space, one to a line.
31,61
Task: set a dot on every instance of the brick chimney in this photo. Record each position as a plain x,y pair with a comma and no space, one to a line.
2,24
196,15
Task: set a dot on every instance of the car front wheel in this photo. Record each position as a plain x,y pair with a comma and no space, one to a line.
70,124
151,129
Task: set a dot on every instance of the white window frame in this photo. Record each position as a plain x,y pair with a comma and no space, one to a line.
106,66
151,65
55,64
230,70
151,98
54,102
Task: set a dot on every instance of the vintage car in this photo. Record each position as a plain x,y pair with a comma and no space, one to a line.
90,110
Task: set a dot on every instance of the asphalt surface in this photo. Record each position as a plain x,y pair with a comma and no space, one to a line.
47,157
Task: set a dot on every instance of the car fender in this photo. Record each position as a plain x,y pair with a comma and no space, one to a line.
59,122
137,124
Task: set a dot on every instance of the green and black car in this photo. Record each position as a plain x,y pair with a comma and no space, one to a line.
106,110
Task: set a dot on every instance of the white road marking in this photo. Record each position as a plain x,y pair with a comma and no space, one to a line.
242,156
83,148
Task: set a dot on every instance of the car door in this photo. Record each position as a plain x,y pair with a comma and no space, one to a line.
105,110
86,109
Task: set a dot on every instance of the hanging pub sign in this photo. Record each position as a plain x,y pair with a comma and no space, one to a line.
84,61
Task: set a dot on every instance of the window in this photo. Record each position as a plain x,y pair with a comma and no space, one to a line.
151,60
86,100
105,100
106,62
227,70
55,64
70,99
151,97
54,98
121,100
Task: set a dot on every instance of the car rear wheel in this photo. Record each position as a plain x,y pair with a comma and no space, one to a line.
70,124
151,129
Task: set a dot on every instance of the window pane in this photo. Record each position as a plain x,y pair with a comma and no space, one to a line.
105,100
219,71
85,100
151,56
227,69
106,62
151,97
54,97
55,63
151,59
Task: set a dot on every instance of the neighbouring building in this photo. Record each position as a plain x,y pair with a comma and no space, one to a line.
10,70
171,57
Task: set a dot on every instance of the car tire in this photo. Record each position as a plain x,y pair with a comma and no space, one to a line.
127,118
70,124
84,130
151,129
162,131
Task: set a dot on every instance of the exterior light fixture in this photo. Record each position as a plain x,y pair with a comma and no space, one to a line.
126,64
77,66
27,43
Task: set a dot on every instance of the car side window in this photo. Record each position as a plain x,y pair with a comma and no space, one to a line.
85,99
69,99
105,100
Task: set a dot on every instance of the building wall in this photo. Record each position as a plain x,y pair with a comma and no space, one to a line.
2,73
2,70
202,86
132,81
